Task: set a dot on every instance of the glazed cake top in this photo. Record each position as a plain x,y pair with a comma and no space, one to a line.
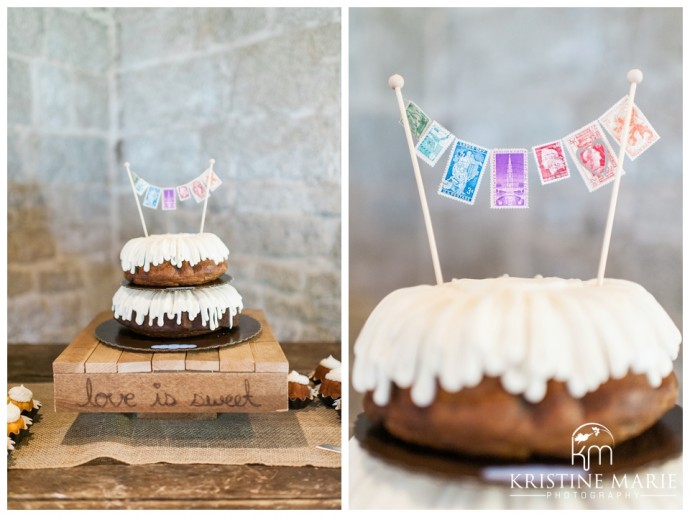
20,393
13,413
175,248
153,305
526,331
295,376
330,362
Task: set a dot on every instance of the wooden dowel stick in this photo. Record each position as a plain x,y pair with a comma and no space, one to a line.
396,82
634,77
209,175
136,198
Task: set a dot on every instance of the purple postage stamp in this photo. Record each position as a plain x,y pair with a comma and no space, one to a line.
152,197
433,143
464,172
198,190
183,192
641,135
509,178
169,200
592,153
551,162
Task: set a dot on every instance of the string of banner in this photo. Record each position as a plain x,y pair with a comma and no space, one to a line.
199,188
588,148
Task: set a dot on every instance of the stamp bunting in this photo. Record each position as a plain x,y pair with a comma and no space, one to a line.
417,119
463,172
152,197
509,181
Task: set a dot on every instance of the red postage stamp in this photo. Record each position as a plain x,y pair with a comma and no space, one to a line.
592,153
551,162
641,135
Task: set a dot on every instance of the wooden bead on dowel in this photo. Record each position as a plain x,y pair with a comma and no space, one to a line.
396,82
634,77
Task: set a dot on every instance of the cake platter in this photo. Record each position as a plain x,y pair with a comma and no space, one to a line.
116,335
660,443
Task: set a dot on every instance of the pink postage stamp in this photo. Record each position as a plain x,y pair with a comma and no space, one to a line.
198,190
183,192
551,162
592,153
641,136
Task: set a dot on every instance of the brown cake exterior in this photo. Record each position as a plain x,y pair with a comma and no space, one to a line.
168,275
488,421
171,328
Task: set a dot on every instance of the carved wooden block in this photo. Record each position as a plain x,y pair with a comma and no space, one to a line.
90,377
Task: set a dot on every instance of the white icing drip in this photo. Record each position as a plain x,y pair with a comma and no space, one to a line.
13,413
295,376
334,375
524,331
154,304
20,393
175,248
330,362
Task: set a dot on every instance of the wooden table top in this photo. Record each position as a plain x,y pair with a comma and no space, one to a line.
106,483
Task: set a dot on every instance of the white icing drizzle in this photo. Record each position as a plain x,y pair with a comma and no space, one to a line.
13,413
524,331
295,376
20,393
330,362
175,248
154,304
334,375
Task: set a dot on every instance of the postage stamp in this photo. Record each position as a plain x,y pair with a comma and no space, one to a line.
141,186
215,181
152,197
198,189
551,162
183,192
641,135
433,143
169,200
464,172
509,178
592,153
417,119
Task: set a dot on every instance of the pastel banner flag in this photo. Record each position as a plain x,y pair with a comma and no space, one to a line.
464,171
215,180
433,143
509,184
169,199
184,192
141,186
551,162
198,189
417,119
641,136
593,155
152,197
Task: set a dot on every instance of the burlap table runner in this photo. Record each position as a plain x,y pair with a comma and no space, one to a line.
278,439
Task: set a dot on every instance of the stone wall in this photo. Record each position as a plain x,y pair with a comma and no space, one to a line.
258,90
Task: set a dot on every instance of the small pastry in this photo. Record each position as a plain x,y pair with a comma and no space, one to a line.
331,387
22,397
15,420
300,394
325,366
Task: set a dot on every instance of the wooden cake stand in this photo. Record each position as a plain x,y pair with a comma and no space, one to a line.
251,377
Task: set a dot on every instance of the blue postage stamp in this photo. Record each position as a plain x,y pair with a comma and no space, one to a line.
153,196
433,143
464,171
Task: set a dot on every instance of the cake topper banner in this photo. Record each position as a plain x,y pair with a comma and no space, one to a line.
199,188
167,197
588,147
